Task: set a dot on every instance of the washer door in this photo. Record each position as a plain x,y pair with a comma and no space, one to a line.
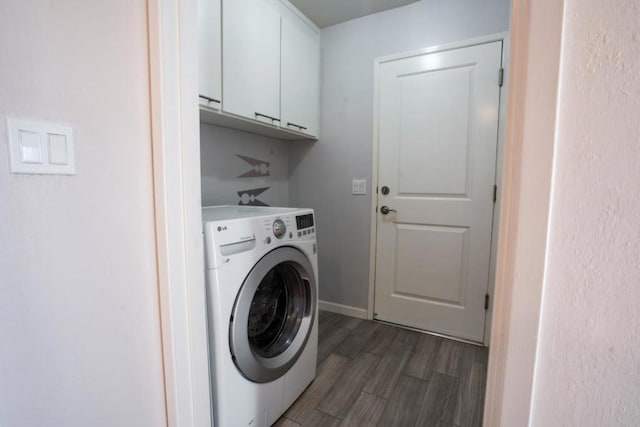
273,315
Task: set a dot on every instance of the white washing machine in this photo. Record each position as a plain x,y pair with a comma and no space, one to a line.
262,295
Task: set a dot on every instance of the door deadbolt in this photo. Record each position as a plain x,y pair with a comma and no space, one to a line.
385,210
384,190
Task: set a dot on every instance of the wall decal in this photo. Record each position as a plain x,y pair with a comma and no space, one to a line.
249,197
260,167
260,162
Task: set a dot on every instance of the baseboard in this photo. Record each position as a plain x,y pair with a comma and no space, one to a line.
347,310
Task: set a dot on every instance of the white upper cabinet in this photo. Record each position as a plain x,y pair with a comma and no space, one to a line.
251,59
300,71
209,53
259,67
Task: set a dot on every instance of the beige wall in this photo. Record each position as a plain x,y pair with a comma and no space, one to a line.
79,322
588,371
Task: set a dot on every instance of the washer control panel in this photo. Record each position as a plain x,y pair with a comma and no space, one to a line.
227,235
287,227
279,228
305,225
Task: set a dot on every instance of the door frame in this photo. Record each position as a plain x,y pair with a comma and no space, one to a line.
501,37
527,167
175,131
531,126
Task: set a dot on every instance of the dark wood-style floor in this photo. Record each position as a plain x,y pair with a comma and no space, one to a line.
370,373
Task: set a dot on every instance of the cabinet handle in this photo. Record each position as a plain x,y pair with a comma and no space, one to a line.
273,119
298,126
210,99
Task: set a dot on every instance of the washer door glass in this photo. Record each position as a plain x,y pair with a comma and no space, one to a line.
277,309
273,315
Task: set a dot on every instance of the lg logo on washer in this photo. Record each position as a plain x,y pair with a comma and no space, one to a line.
222,228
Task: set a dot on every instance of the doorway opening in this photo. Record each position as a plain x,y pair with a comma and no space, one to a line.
525,194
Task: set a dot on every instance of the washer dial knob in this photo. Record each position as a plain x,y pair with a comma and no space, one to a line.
279,228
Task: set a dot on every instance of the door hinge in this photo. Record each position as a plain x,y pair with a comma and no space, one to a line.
376,190
500,77
495,193
486,301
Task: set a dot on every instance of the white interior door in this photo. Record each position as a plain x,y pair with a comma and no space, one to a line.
438,128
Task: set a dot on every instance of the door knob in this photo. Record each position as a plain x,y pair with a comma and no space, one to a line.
385,210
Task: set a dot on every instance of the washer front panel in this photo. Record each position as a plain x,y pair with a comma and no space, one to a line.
270,325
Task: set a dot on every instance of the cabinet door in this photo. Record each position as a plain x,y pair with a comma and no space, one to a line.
300,75
209,53
251,59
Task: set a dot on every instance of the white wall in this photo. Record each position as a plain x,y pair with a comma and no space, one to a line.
79,321
260,176
321,173
588,370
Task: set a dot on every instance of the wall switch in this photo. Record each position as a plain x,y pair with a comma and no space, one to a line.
40,148
58,149
30,147
359,186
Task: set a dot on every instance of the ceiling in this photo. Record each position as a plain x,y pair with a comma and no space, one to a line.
329,12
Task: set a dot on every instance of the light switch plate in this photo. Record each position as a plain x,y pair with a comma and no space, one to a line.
359,186
40,148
